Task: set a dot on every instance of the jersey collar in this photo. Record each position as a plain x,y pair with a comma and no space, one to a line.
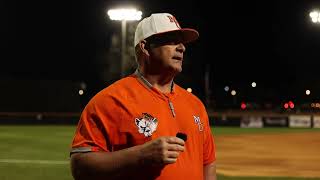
147,83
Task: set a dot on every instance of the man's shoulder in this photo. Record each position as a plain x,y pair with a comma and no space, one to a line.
118,88
120,85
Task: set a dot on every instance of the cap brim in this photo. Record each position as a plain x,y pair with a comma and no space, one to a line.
184,35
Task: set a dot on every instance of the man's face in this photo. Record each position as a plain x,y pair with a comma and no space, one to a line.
166,53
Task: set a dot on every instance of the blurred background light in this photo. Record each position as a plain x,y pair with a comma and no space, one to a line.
308,92
291,104
243,105
233,92
81,92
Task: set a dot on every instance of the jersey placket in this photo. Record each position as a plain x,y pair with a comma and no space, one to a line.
166,97
171,107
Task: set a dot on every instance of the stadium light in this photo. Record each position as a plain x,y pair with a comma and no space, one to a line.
315,16
124,15
254,84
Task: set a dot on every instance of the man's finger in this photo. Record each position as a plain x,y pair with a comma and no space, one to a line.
175,147
172,154
175,140
170,160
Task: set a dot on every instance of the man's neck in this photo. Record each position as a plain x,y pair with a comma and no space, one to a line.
162,82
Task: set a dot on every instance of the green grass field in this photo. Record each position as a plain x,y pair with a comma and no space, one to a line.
41,152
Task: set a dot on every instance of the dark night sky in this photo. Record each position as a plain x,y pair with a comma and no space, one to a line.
271,42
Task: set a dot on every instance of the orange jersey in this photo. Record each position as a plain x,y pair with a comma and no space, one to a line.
131,112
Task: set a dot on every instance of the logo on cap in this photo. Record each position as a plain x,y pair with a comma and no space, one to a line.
174,20
159,23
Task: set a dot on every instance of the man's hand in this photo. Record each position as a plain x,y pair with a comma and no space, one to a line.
161,151
109,165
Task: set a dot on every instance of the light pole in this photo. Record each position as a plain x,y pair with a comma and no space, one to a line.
124,15
234,93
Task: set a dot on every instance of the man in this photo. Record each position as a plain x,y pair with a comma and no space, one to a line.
129,129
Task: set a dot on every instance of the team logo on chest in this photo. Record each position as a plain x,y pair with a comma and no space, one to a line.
146,124
198,122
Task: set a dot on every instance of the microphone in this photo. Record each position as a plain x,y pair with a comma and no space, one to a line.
182,136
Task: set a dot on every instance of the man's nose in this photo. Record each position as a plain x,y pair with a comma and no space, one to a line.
181,48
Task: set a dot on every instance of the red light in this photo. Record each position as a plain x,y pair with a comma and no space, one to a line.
243,105
286,105
291,104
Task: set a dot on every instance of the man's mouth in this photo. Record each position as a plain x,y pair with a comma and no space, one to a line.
179,58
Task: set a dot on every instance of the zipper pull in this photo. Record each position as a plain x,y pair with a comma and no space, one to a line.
172,109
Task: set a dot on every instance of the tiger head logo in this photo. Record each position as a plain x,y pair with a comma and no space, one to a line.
146,124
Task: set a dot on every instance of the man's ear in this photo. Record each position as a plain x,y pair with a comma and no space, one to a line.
144,47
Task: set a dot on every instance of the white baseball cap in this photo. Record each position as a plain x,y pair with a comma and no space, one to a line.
160,23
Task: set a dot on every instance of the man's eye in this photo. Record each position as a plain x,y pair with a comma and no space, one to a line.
169,42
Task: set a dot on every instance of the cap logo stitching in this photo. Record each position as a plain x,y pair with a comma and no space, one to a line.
174,20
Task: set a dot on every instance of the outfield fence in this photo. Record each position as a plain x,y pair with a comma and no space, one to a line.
259,119
39,117
227,118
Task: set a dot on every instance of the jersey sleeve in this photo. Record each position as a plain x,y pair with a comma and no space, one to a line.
94,129
209,153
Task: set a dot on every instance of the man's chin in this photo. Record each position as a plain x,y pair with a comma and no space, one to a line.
177,70
174,70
